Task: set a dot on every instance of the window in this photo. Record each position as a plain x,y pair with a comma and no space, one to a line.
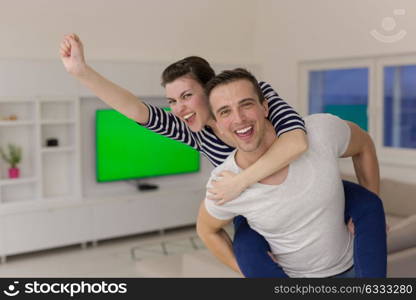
341,92
400,106
377,93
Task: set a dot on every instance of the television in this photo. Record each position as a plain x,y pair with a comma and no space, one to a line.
126,150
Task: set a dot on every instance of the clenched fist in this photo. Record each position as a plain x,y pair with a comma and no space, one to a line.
72,54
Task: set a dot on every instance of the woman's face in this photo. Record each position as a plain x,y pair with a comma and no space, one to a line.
188,101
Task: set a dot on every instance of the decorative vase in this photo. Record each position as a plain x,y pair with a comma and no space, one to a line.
14,173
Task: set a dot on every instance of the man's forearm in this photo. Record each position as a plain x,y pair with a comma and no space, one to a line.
367,169
220,244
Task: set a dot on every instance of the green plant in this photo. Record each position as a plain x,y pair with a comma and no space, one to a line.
14,156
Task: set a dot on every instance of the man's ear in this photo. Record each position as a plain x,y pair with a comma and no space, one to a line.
219,127
265,105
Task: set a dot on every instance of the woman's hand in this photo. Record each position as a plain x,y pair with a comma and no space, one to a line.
72,54
350,226
226,188
273,258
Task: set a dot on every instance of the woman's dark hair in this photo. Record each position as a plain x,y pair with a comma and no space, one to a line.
194,66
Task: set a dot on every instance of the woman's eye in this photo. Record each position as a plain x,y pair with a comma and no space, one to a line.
170,101
186,96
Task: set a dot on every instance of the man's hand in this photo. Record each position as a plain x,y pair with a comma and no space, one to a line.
72,54
227,188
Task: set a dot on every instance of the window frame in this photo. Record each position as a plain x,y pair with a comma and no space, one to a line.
402,156
375,109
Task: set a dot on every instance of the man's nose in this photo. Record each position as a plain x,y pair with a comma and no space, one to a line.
239,117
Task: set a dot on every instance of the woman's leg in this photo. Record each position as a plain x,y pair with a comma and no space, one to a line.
251,251
370,246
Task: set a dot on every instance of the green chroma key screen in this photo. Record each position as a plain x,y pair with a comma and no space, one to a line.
126,150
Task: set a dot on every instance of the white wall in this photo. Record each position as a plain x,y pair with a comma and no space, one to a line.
141,30
291,31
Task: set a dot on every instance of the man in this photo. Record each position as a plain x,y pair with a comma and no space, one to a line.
300,209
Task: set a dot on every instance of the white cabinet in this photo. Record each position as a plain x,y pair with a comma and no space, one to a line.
31,230
145,211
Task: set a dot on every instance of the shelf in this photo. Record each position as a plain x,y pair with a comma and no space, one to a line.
57,122
57,149
5,182
57,112
16,123
64,133
16,100
22,110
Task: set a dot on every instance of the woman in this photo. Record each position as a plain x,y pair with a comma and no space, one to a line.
190,122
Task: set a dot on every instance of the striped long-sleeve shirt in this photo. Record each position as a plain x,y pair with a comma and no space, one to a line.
283,117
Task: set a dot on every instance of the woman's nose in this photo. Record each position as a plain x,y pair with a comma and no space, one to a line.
179,108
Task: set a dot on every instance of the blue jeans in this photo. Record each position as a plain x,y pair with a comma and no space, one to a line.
370,247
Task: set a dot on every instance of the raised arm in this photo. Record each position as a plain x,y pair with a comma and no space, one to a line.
211,232
72,56
290,144
361,149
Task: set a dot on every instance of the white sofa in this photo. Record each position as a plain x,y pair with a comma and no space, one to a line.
399,201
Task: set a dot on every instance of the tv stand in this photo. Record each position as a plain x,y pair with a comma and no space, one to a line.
146,186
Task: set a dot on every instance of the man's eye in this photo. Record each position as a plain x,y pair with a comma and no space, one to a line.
170,101
186,96
224,113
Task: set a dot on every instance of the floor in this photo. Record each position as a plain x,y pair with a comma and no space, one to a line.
173,253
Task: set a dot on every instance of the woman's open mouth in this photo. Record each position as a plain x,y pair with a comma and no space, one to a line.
189,118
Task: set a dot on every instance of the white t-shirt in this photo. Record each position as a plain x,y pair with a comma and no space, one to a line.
302,218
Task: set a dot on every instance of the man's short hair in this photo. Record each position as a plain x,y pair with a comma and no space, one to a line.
229,76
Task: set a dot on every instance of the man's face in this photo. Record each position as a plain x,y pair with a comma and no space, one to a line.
239,114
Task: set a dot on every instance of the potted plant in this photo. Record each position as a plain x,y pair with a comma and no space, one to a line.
12,158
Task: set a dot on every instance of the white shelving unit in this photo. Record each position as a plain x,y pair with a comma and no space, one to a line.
34,207
46,172
22,132
60,167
